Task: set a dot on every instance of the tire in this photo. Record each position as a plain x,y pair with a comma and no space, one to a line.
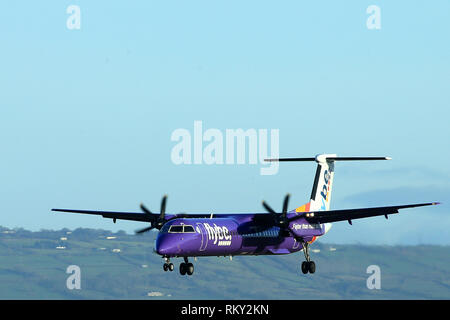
190,269
311,267
171,267
305,267
182,269
165,266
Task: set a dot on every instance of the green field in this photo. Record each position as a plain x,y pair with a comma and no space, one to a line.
31,267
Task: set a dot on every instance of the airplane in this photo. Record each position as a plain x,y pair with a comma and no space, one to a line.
240,234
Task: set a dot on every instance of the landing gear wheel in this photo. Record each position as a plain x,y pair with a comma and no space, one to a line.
308,265
182,268
311,267
305,267
170,267
165,266
190,269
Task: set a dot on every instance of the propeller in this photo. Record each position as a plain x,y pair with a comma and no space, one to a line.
159,222
280,219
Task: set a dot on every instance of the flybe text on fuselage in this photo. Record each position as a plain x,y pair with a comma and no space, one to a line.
220,235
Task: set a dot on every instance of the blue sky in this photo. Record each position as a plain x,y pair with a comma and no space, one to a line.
86,115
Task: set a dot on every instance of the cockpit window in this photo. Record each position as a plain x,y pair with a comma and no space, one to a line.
176,229
181,229
188,229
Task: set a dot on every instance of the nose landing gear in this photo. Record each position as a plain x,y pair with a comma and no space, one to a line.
168,266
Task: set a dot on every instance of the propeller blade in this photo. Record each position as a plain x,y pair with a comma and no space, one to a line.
159,221
144,230
268,208
143,208
285,204
280,219
163,208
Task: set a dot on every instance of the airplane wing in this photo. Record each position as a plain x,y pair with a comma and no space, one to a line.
350,214
133,216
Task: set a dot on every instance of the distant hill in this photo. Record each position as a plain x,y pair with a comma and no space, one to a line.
122,266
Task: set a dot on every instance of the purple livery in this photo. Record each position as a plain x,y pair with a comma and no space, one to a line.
270,233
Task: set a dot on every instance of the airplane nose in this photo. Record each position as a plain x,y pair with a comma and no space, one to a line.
161,251
164,246
159,247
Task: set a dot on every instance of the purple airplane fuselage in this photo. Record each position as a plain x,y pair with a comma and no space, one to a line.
233,234
271,233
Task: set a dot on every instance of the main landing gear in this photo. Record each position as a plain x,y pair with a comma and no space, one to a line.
186,267
308,265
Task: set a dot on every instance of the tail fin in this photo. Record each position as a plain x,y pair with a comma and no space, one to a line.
323,181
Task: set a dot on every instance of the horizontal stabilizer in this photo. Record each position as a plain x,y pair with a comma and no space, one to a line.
328,159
